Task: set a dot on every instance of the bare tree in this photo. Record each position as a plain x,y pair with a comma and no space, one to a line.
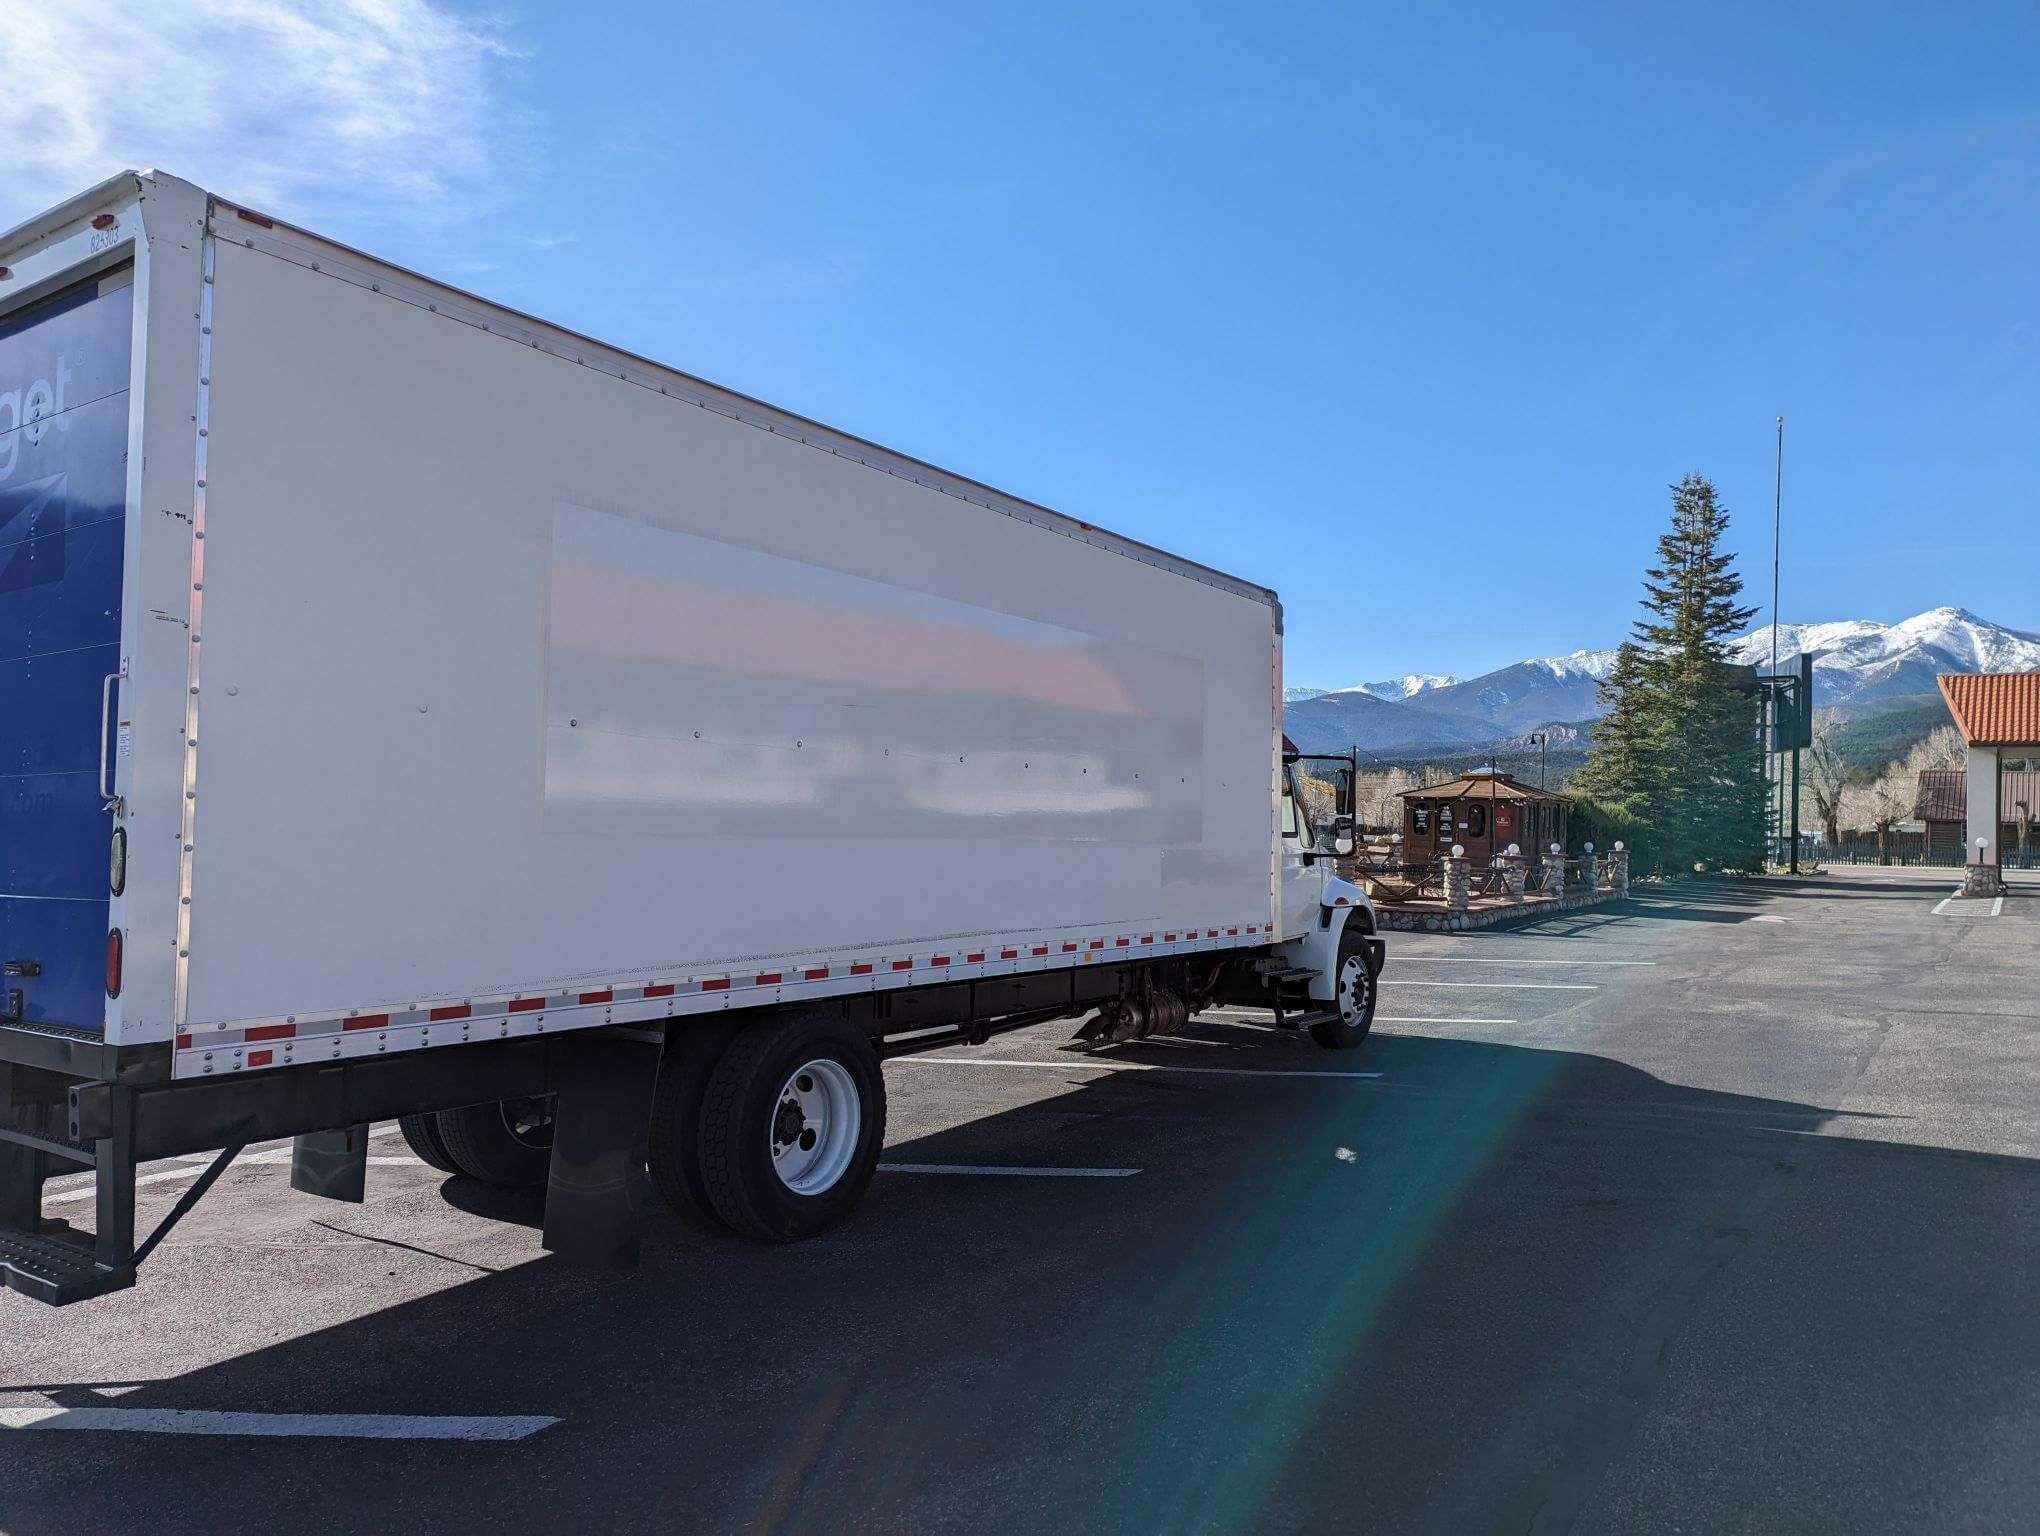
1379,797
1894,794
1944,748
1827,776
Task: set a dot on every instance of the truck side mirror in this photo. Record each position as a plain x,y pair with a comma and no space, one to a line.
1343,841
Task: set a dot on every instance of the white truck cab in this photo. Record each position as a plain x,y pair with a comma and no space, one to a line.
1328,949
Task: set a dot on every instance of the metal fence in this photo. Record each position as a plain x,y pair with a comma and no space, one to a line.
1908,853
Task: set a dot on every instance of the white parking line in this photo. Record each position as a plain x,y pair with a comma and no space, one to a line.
1997,907
1942,906
1261,1015
1093,1064
189,1171
1382,1018
192,1164
1501,986
1396,955
1010,1173
327,1426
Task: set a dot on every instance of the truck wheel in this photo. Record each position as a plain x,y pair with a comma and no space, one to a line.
1356,994
421,1134
693,1047
791,1125
507,1142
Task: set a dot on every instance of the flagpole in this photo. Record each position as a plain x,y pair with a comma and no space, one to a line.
1777,530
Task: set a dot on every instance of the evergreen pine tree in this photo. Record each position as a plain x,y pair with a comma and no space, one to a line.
1679,748
1626,761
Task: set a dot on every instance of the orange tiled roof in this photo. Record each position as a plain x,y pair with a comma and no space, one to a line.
1994,709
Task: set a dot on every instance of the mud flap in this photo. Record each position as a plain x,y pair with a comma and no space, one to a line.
331,1164
596,1187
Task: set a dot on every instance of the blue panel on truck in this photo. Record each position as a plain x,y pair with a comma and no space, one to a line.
63,479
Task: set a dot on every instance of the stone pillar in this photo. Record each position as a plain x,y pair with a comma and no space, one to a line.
1554,871
1514,872
1979,875
1983,781
1618,870
1590,870
1458,880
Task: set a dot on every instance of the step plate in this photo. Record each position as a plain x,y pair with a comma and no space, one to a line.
49,1269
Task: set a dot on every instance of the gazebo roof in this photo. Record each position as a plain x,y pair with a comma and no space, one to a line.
1479,786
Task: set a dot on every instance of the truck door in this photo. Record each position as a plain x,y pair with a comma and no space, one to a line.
1301,882
63,494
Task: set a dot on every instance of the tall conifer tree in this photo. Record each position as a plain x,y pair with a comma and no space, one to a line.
1626,762
1680,748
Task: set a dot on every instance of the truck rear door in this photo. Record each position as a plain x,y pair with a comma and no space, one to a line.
63,474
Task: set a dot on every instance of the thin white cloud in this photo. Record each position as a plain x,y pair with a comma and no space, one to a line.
394,107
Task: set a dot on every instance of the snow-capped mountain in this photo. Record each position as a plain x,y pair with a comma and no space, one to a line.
1857,660
1408,686
1859,664
1575,665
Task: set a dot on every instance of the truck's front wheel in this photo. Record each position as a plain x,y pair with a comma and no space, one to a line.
791,1125
1355,993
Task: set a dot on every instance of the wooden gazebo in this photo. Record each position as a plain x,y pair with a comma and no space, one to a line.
1484,812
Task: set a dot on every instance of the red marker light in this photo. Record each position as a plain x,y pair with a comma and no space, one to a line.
113,955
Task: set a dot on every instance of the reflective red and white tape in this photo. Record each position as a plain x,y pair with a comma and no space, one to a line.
299,1039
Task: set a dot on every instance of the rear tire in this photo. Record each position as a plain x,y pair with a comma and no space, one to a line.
1356,992
693,1047
421,1134
507,1142
791,1125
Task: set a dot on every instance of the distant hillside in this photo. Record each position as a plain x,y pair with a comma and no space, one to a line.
1332,722
1879,733
1518,697
1879,676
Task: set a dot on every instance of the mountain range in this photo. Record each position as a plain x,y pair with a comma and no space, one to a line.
1861,668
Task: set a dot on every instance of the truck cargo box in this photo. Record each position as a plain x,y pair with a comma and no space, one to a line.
484,678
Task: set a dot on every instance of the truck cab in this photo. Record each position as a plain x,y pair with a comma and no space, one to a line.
1323,970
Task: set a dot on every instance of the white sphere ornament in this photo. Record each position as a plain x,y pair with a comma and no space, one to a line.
1590,847
1515,852
1618,845
1458,852
1554,847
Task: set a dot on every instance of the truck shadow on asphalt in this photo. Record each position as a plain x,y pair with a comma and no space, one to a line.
1454,1296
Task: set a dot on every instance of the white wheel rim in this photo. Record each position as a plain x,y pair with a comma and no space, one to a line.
1352,988
816,1120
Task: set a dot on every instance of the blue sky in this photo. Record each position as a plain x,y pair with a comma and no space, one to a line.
1408,313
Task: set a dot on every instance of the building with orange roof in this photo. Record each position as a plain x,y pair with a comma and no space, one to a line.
1998,714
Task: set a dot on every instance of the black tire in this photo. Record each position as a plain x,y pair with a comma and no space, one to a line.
1357,991
746,1108
421,1134
693,1047
507,1142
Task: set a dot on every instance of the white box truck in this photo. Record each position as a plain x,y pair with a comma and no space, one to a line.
416,710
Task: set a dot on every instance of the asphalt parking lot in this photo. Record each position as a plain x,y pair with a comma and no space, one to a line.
1716,1209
